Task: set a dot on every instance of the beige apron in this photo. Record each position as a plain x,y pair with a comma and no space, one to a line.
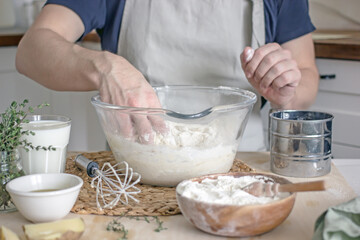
195,42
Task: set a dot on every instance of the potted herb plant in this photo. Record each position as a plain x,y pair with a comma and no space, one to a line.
10,139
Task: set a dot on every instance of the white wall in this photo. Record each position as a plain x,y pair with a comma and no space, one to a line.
86,133
25,12
335,14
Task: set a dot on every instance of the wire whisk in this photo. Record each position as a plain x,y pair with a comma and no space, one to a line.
113,183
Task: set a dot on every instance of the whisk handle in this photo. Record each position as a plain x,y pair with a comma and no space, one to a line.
87,165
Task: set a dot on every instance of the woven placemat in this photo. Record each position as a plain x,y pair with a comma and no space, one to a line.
154,201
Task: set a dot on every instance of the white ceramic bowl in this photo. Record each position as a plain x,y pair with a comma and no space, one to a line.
44,197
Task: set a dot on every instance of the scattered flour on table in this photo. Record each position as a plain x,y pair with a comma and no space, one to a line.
185,151
224,190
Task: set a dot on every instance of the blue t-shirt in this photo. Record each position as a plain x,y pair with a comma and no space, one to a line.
284,20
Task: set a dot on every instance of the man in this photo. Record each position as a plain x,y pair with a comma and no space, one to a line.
164,42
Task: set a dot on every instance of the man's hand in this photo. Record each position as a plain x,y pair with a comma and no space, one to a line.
47,53
122,84
286,74
272,72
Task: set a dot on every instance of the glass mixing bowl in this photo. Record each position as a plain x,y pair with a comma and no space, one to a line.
196,132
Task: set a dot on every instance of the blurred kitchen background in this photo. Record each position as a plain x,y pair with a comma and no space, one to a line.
337,42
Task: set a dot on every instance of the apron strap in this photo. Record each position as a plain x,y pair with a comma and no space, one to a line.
258,21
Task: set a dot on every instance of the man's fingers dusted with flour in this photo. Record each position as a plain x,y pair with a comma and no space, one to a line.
271,70
286,74
123,85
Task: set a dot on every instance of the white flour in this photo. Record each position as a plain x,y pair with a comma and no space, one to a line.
187,135
224,190
186,151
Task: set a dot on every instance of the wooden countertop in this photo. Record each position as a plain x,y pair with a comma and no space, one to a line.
10,40
298,226
13,37
335,44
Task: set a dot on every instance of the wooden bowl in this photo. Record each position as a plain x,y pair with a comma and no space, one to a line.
236,220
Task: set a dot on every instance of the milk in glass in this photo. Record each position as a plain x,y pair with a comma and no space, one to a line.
49,130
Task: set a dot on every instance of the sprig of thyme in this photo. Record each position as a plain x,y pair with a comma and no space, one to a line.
116,226
147,219
159,224
11,130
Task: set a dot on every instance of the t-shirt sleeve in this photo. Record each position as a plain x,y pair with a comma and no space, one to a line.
287,20
92,13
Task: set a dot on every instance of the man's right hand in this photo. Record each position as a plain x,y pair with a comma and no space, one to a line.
122,84
48,54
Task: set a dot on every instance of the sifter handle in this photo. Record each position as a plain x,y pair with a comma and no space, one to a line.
87,165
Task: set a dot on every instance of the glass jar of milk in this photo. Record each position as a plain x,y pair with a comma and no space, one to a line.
49,130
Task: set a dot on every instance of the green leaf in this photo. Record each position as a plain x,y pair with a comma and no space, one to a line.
11,129
13,104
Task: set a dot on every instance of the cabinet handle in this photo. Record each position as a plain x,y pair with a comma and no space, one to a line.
327,76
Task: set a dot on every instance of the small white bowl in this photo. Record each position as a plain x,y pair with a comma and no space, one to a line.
44,197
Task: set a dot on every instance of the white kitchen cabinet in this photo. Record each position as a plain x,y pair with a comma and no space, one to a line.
86,133
340,96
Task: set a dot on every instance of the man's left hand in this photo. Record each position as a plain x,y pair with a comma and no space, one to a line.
272,72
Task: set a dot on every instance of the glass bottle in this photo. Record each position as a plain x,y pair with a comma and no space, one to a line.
10,168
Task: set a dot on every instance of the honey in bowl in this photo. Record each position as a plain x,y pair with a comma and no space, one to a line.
45,190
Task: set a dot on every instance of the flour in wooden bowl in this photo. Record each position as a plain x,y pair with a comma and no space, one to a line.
217,204
225,190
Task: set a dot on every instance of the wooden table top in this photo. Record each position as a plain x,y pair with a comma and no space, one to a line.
299,225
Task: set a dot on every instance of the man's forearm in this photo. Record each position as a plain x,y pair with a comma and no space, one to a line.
306,91
55,63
